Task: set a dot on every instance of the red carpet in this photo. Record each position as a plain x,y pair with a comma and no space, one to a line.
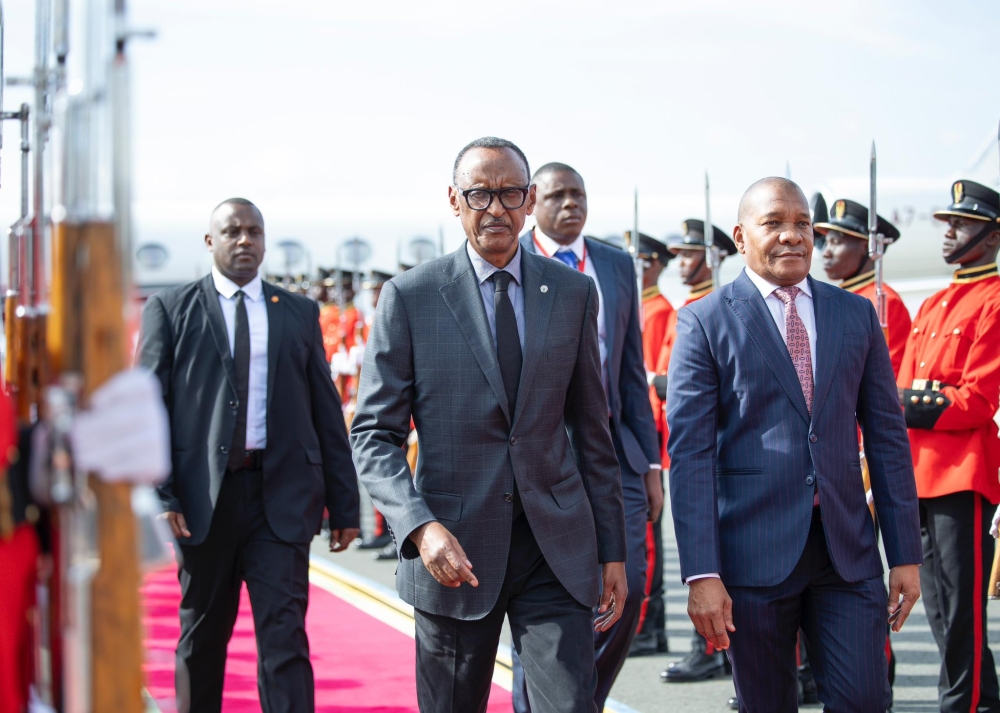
360,663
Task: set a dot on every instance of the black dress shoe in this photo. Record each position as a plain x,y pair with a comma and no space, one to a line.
387,553
733,703
644,644
375,543
696,666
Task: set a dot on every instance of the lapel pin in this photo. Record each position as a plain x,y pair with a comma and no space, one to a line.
544,288
274,299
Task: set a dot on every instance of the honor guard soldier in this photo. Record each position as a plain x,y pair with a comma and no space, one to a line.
703,661
657,314
949,387
843,238
689,248
380,539
329,315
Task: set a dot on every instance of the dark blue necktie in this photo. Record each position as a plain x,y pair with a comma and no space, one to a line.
567,256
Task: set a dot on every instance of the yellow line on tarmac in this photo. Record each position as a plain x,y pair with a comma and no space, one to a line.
388,609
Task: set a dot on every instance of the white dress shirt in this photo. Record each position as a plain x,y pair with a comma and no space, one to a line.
579,248
256,308
804,306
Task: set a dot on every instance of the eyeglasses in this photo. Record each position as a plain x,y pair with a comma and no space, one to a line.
482,198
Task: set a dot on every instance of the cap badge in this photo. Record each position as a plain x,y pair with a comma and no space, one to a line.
958,191
839,209
684,227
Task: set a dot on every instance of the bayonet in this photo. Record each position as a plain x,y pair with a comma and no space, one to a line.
633,249
711,249
876,246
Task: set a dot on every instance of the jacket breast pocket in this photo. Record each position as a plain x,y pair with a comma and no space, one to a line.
956,350
726,472
569,492
562,352
445,506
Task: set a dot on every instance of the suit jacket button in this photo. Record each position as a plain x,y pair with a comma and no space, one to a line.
810,480
234,404
813,438
223,449
508,498
513,440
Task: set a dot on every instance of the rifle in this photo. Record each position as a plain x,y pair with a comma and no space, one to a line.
876,251
711,249
94,645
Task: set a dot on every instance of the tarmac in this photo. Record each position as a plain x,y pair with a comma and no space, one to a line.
638,688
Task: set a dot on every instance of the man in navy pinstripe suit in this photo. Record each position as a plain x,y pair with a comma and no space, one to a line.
769,378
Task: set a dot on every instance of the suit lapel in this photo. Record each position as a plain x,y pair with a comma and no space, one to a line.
217,323
751,310
275,331
829,339
464,299
609,291
537,310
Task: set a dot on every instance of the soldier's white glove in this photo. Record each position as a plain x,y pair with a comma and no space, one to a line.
995,527
356,357
125,434
340,363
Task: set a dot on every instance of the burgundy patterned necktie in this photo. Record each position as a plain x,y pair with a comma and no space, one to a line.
797,341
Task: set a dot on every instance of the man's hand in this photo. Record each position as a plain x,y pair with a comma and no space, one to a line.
711,610
613,595
654,493
903,580
177,524
341,538
443,557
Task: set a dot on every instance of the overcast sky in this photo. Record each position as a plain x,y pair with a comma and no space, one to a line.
343,119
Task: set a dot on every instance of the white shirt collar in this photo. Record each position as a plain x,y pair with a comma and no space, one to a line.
766,288
550,246
227,288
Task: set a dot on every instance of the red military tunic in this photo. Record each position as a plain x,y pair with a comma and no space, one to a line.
663,359
896,314
955,340
657,314
329,325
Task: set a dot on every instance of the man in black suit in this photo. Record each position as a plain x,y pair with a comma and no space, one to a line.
560,213
259,447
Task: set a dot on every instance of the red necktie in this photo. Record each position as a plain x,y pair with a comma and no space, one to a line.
797,341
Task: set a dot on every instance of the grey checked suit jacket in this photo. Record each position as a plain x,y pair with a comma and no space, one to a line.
746,454
431,356
631,415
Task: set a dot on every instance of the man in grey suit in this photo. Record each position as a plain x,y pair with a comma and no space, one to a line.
517,480
259,447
